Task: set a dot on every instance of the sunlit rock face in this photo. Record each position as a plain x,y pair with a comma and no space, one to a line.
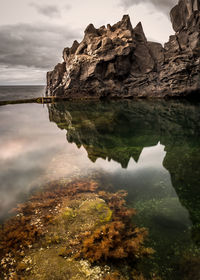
118,61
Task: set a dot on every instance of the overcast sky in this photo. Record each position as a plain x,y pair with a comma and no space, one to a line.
34,33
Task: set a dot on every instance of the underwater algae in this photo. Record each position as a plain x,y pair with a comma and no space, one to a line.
73,231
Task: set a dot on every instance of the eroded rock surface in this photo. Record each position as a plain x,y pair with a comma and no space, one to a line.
118,61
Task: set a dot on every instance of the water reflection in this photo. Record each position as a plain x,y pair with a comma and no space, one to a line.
25,151
151,149
151,157
119,131
157,145
33,151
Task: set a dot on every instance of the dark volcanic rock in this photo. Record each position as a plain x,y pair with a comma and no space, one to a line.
118,61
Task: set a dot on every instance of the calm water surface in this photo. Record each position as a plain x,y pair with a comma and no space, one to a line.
151,149
20,92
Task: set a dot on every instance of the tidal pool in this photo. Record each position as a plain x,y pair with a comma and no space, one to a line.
151,149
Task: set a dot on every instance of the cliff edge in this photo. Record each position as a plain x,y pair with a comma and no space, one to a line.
118,62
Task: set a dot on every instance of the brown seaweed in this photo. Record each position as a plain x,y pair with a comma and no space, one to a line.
118,239
113,237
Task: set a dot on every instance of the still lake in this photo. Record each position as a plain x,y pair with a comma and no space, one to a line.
151,149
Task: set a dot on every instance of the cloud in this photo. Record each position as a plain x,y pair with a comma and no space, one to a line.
28,51
68,7
21,75
38,46
163,5
50,11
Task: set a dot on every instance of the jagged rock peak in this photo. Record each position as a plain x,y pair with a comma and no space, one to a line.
124,24
139,32
90,29
99,40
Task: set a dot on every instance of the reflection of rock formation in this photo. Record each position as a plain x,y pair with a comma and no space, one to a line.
120,130
119,61
110,131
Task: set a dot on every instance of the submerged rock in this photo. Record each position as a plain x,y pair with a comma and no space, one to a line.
80,229
118,61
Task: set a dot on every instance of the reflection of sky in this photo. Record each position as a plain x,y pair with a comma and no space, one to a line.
145,176
34,151
27,143
150,191
150,157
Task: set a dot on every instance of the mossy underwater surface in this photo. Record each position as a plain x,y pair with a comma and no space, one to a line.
151,151
72,231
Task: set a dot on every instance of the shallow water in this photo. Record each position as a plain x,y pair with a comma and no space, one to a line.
151,149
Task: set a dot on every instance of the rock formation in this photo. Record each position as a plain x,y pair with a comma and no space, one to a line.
118,61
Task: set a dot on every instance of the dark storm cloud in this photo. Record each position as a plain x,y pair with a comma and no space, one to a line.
34,46
47,10
162,5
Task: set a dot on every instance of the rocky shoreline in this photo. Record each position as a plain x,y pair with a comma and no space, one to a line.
118,62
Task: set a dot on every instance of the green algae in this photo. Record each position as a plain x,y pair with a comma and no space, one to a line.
50,260
47,264
62,251
105,213
87,214
69,213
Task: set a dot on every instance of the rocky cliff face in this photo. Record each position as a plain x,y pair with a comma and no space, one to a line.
118,61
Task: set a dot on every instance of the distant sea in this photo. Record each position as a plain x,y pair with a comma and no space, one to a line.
20,92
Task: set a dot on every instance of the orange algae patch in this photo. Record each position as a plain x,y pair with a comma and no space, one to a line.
31,222
18,233
118,239
114,276
113,241
61,218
